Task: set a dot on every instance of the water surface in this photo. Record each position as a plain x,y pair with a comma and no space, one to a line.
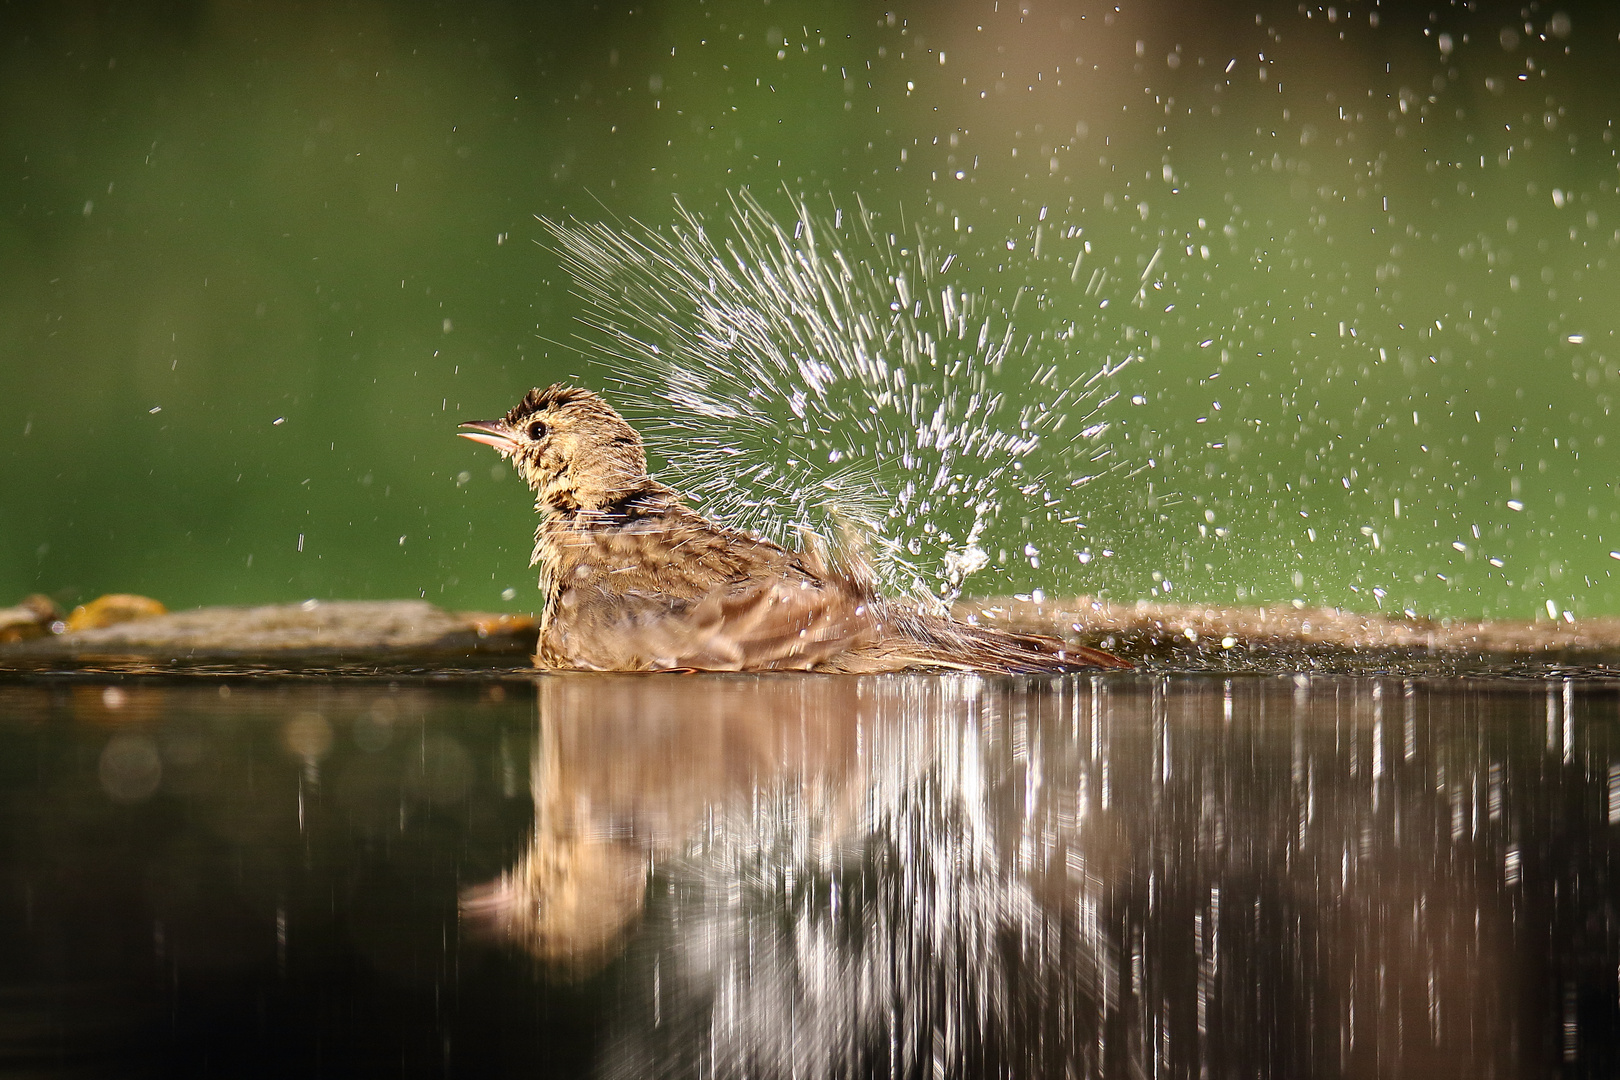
811,876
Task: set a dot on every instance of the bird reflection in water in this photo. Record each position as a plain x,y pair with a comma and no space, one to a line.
835,880
628,770
964,876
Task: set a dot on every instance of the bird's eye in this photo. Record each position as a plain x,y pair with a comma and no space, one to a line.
537,431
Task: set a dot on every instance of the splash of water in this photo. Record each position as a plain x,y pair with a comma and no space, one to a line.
827,376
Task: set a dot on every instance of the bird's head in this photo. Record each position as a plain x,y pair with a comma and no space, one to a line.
570,446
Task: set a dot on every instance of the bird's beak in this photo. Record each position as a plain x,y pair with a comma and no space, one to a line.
490,433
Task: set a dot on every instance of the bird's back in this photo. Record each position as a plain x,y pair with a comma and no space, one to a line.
670,550
670,589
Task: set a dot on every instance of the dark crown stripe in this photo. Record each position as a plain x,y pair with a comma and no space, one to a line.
554,396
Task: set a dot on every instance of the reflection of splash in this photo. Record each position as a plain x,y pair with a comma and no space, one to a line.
960,876
893,922
842,881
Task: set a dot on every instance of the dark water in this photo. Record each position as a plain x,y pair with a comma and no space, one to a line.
805,876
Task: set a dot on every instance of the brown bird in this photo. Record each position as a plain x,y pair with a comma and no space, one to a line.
635,580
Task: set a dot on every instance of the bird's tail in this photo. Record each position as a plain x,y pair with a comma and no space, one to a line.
947,643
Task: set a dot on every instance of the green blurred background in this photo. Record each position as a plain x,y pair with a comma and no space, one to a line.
257,258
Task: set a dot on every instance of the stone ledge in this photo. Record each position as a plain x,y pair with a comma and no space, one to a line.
1196,637
412,636
315,633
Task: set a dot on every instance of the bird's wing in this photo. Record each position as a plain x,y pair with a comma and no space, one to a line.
768,626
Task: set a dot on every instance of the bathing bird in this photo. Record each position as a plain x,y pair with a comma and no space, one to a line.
636,580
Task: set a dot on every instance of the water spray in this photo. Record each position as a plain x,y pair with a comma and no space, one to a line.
826,376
